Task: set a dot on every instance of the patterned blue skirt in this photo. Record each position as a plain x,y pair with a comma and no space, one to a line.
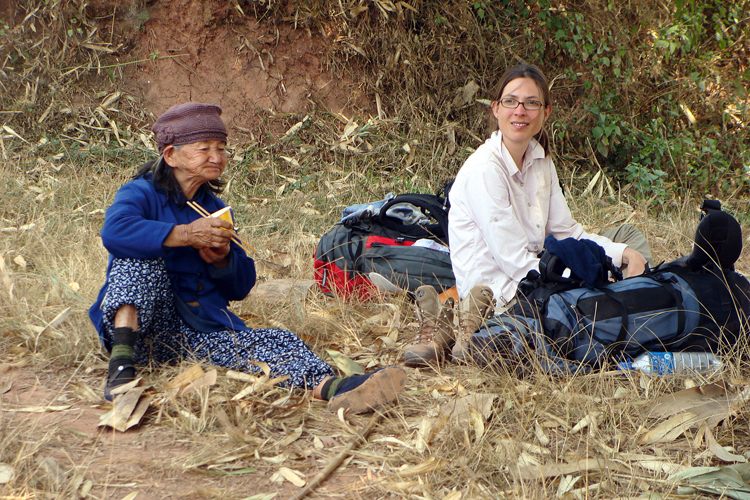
166,338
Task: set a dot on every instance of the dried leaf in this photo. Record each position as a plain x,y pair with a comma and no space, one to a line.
207,380
430,465
719,451
295,128
592,184
130,496
553,470
476,422
458,409
295,435
39,409
6,277
56,321
6,473
588,420
13,133
657,465
668,431
282,290
259,385
245,377
292,476
541,436
125,404
262,496
526,459
566,484
348,366
280,458
20,262
393,440
688,114
140,410
423,435
184,378
621,393
709,403
86,488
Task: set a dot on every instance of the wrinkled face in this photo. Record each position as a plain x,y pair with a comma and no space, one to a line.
198,162
519,125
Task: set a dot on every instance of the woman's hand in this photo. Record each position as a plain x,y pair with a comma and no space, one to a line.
210,235
633,263
208,232
215,255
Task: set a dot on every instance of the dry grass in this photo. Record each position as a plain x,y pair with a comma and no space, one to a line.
415,452
286,193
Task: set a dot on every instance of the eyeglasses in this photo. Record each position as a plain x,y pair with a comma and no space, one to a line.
510,103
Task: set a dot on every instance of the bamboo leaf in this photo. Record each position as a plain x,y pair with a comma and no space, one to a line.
348,366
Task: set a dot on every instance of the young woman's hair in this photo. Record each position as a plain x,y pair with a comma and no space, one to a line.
525,70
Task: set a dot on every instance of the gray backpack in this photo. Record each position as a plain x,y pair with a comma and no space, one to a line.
387,245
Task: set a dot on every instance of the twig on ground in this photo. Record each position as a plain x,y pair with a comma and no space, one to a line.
338,459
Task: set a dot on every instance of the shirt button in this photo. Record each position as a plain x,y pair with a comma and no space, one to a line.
538,226
529,204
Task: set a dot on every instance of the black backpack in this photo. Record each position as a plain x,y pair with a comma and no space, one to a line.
385,244
696,303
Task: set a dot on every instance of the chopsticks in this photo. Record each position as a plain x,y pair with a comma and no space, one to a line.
235,237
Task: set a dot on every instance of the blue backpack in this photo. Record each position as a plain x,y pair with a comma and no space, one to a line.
696,303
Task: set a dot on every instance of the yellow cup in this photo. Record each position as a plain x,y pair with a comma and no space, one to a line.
225,214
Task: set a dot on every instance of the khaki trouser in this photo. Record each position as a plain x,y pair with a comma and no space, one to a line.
632,237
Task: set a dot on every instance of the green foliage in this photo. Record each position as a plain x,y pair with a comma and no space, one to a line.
141,19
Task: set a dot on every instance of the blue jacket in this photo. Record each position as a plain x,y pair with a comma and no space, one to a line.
136,225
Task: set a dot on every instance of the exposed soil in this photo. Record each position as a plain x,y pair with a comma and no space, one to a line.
148,459
207,51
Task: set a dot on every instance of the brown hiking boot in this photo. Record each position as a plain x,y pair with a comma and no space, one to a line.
472,311
435,337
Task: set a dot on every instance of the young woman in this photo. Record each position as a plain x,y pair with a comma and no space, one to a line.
507,198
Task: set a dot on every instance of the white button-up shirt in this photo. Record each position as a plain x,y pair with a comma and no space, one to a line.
500,215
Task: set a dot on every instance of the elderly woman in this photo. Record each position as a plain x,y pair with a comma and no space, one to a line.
172,273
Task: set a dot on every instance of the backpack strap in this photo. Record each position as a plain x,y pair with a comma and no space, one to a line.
668,285
429,206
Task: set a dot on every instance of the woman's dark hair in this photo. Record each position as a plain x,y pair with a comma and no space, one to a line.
163,177
525,70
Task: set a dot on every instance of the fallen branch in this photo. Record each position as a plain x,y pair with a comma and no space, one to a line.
338,459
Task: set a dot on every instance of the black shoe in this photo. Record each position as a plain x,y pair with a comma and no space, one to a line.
121,371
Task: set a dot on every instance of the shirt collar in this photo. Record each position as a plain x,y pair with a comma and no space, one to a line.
534,151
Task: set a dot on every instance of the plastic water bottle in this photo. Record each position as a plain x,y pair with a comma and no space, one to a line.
662,363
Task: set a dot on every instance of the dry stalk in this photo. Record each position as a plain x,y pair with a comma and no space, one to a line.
338,459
